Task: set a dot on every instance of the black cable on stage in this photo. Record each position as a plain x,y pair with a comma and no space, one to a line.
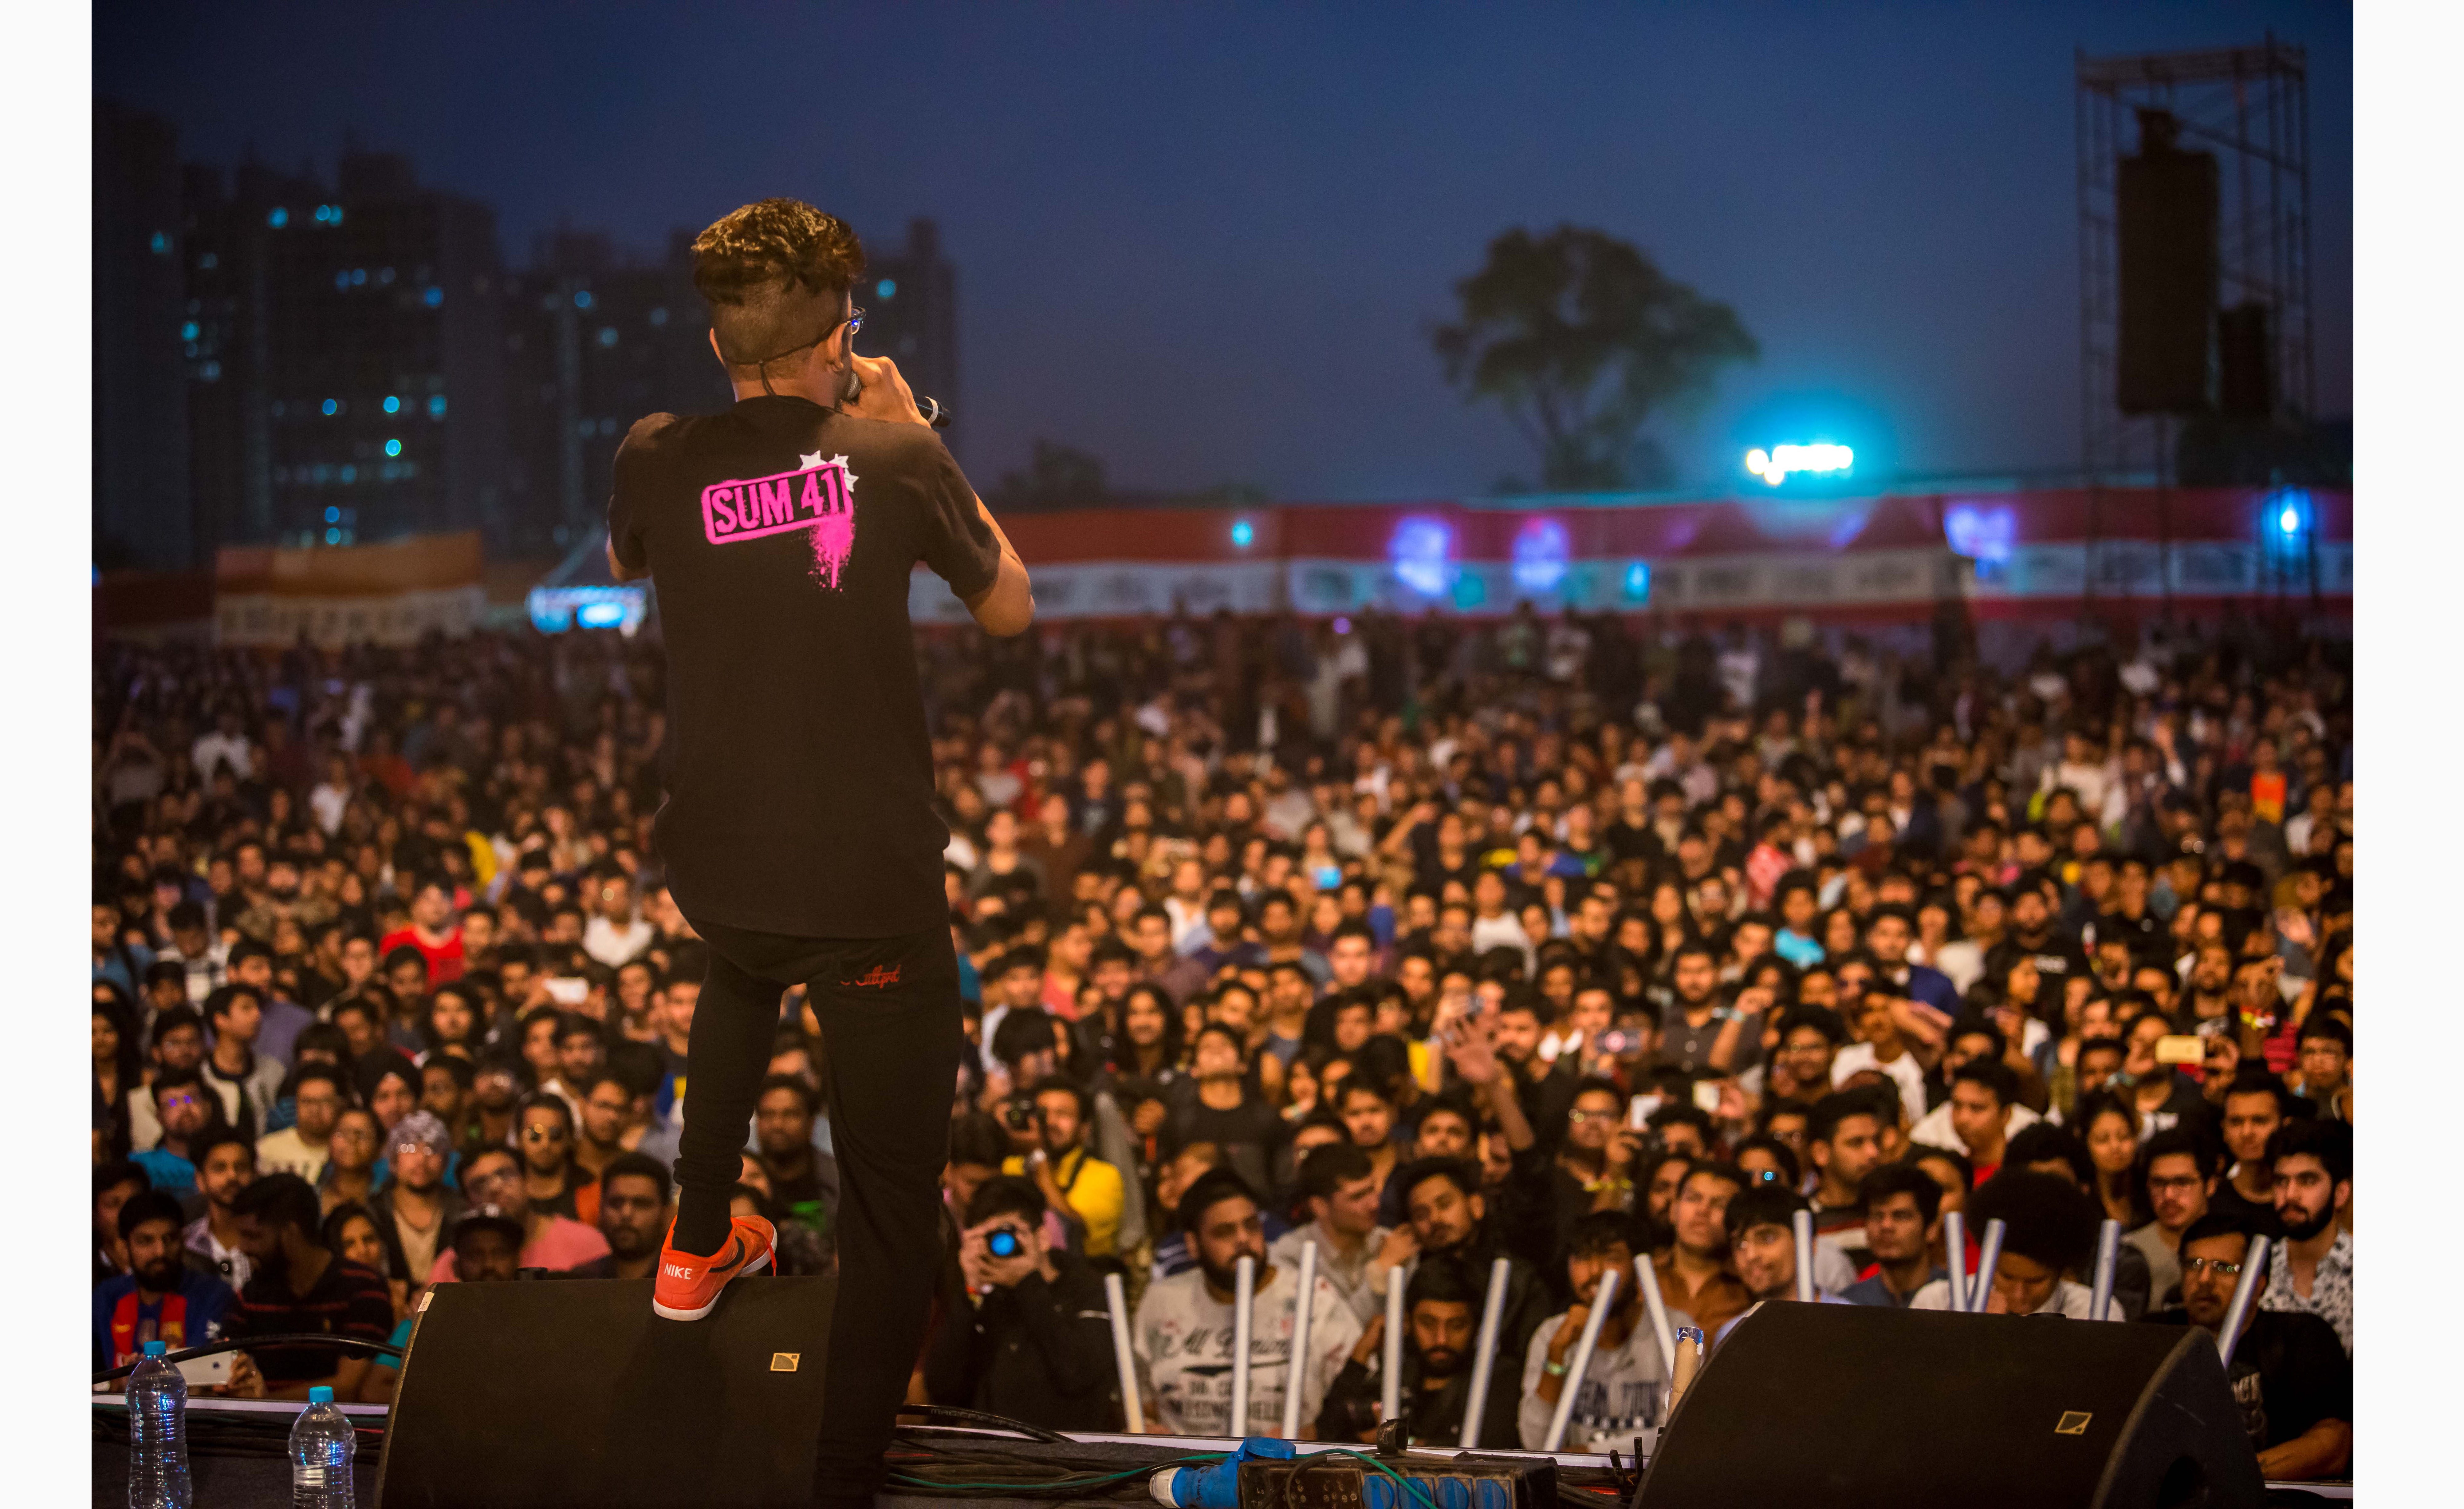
238,1343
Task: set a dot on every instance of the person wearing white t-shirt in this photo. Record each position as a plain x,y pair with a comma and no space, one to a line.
1622,1396
1182,1340
1881,1048
2048,1230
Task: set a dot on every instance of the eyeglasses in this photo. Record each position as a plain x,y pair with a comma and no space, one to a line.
1578,1117
2193,1266
854,321
2185,1182
543,1134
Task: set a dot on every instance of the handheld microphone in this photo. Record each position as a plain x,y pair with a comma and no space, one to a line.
936,412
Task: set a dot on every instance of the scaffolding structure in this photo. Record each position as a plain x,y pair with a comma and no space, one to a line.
2249,106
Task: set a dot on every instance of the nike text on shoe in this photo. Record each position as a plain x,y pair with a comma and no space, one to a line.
688,1286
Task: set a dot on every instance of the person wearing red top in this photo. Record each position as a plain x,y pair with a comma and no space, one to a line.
432,931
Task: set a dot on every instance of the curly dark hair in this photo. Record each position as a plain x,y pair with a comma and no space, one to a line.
775,273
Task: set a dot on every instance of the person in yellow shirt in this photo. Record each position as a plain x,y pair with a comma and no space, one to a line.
1059,1163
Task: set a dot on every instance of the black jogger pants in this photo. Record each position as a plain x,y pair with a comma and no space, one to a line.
891,1036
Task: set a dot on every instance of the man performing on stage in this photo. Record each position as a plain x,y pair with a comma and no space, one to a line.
799,833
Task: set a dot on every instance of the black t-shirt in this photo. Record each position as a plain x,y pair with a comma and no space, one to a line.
345,1301
781,537
2289,1372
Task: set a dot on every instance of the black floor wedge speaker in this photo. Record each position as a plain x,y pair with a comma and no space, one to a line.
537,1394
1850,1406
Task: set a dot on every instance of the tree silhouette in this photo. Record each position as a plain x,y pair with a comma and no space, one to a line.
1583,341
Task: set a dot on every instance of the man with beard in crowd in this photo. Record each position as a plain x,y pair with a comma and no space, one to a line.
1450,1216
2312,1163
1441,1310
187,1110
1182,1334
314,1091
803,1180
225,1165
162,1297
633,1213
299,1288
414,1201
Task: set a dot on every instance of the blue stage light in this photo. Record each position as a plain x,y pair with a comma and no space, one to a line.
1541,551
600,615
1242,534
1421,551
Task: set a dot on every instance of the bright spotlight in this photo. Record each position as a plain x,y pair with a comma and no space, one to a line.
2289,520
1774,465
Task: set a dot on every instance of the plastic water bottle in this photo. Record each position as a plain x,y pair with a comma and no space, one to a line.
158,1433
322,1444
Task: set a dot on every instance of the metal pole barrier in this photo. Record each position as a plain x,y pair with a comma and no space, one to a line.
1390,1403
1117,1300
1804,1224
1492,1311
1603,1301
1954,1244
1244,1290
1301,1308
2108,1254
1648,1276
2254,1271
1989,1258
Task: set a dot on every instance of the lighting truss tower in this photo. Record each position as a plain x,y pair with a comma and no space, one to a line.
2249,106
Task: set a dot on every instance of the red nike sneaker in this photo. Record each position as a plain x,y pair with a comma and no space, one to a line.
688,1286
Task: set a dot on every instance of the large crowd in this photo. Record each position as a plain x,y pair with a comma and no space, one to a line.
1470,951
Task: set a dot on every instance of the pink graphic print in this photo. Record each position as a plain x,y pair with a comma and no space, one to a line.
818,497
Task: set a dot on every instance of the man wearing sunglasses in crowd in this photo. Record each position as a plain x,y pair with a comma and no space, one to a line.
799,833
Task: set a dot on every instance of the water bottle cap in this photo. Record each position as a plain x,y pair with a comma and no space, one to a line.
321,1395
154,1348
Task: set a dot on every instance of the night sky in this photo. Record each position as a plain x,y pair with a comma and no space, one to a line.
1206,243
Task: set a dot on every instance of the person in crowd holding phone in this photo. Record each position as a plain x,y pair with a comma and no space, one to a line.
1035,1343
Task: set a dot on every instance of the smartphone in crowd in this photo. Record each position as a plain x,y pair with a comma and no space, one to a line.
1638,1109
1707,1096
565,990
2180,1050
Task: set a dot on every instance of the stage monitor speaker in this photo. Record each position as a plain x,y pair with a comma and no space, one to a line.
1851,1405
2245,361
530,1394
2166,255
